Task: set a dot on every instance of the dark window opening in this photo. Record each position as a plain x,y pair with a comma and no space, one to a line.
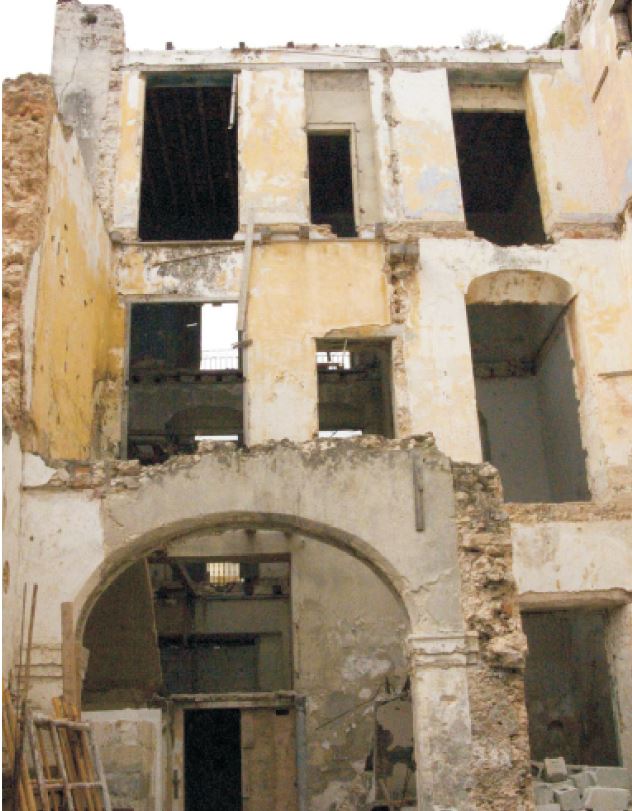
568,688
528,411
185,380
189,166
354,388
330,182
212,761
498,183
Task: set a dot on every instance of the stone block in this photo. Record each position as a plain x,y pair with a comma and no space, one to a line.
613,777
542,793
548,807
598,798
555,769
583,780
569,799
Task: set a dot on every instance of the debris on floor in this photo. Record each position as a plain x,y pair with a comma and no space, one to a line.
561,787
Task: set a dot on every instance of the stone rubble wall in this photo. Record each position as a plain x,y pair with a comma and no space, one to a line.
500,764
28,108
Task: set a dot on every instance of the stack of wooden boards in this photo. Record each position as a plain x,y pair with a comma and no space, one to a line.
54,761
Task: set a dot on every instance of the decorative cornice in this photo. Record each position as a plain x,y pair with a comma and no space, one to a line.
442,651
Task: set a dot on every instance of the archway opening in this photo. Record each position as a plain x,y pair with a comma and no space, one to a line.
525,389
262,623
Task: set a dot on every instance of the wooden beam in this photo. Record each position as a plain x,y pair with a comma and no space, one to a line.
71,679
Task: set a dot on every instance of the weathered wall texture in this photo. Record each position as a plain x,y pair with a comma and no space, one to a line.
88,50
130,742
500,745
273,159
78,337
28,109
315,285
607,73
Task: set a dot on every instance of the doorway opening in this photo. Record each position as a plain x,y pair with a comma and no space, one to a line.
212,760
568,687
527,405
330,181
498,182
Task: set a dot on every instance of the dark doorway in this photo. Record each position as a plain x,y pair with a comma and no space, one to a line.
212,760
189,174
568,689
330,182
498,183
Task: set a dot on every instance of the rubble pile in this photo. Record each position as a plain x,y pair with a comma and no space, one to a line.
561,787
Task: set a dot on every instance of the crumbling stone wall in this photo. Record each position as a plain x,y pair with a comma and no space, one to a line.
28,107
500,750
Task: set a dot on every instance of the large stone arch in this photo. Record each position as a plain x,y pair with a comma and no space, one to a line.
211,525
518,286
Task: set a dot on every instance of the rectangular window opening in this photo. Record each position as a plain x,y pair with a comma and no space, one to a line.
189,165
527,406
354,388
330,181
568,687
185,380
498,182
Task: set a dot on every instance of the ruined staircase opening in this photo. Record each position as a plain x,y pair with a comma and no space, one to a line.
189,164
500,195
526,400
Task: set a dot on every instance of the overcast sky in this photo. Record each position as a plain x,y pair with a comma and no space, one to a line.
27,25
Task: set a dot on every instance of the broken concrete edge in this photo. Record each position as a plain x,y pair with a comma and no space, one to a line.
108,476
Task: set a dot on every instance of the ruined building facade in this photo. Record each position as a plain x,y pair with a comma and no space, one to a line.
425,256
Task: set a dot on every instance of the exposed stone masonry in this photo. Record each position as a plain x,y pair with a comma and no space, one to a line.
28,108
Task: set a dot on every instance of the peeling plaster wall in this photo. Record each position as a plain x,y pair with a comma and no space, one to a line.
78,326
564,137
299,292
12,583
273,182
612,106
573,557
349,631
126,193
424,139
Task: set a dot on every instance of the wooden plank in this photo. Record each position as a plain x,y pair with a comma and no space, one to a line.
69,659
40,777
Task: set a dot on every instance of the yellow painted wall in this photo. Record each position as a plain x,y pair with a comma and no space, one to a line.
613,104
78,325
298,292
128,164
273,146
563,138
